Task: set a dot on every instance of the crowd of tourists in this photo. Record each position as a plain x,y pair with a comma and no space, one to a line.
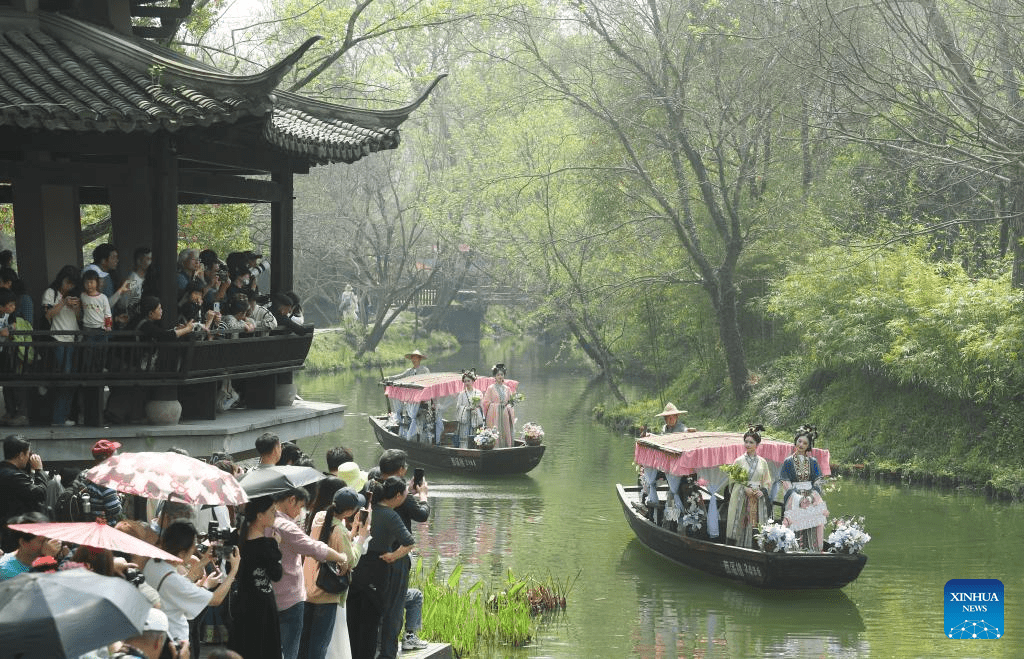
255,592
80,309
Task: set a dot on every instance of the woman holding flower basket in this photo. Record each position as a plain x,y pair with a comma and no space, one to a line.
467,409
748,504
498,408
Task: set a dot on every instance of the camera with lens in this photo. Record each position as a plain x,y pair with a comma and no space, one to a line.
226,539
133,576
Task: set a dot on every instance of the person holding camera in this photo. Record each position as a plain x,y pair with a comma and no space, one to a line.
183,599
61,311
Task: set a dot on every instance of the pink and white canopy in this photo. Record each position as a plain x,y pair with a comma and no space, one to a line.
683,453
418,388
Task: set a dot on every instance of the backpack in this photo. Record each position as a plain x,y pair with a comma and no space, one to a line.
70,504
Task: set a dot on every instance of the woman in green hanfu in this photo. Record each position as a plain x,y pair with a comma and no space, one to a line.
748,504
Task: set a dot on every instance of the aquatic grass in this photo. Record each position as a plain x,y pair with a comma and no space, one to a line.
479,617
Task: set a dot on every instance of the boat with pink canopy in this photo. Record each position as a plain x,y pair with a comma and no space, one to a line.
439,447
695,458
421,388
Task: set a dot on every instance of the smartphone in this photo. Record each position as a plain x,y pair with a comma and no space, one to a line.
417,477
216,307
363,514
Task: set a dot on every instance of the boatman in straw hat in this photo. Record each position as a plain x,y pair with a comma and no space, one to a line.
672,421
410,411
651,476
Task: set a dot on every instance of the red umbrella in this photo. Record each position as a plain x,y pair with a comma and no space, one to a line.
97,535
168,476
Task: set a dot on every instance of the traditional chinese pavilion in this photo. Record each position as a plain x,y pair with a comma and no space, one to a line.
93,112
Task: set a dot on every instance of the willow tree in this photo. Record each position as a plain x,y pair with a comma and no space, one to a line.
691,98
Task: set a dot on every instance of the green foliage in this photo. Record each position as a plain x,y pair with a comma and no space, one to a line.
467,619
894,312
336,350
220,227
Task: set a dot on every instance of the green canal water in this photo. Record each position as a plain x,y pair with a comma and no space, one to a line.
563,519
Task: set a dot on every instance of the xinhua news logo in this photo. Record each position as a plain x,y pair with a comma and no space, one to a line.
974,609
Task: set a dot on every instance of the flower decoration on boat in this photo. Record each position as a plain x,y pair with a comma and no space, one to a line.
486,438
772,536
736,473
848,536
532,432
693,520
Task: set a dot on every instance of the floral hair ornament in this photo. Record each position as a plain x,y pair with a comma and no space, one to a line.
498,367
469,373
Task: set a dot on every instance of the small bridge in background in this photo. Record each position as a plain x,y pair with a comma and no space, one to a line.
464,317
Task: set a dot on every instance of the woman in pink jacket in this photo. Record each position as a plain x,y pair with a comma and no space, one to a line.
498,410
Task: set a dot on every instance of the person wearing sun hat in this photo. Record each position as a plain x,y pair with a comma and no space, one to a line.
105,501
672,421
410,409
353,476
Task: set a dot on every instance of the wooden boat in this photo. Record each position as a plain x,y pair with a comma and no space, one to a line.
518,459
750,566
685,454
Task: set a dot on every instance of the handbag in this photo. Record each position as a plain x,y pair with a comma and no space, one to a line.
328,576
329,579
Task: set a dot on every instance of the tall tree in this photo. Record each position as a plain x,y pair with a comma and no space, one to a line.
694,101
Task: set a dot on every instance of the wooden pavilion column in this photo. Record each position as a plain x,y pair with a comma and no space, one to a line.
163,186
48,230
282,242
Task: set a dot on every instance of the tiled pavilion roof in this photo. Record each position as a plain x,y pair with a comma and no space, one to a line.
61,74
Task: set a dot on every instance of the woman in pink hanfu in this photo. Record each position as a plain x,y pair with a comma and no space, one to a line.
498,410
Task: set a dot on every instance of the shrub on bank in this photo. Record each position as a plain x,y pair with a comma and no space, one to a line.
333,350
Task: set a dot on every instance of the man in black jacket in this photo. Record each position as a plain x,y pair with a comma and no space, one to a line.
22,481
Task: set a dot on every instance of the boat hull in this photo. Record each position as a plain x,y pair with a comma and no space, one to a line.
494,462
752,567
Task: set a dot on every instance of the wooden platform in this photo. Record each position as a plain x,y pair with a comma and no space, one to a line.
432,651
234,432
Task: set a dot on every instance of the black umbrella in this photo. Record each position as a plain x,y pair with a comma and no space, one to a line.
66,614
264,481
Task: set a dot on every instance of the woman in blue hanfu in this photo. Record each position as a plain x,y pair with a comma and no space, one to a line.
748,504
805,510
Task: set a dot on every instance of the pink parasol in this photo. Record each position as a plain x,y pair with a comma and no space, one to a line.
418,388
682,453
168,476
97,535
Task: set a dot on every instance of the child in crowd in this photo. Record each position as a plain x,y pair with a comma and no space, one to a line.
97,319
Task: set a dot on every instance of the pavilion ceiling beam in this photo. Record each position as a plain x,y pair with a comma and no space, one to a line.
228,187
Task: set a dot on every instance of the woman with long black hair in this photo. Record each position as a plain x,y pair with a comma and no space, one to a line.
255,629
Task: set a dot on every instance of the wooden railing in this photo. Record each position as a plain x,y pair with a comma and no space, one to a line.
129,359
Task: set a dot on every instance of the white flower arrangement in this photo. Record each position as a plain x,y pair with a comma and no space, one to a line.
486,437
848,536
475,398
780,538
532,430
693,520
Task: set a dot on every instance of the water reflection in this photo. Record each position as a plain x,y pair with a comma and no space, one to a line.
683,612
562,519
